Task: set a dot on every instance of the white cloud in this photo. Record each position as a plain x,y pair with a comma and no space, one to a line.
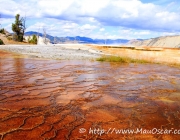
38,27
54,7
142,33
102,29
6,21
9,7
91,19
92,6
169,34
88,27
70,26
126,13
85,16
125,31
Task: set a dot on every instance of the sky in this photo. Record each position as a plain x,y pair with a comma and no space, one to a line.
113,19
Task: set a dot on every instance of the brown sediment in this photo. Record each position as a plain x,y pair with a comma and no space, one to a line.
154,55
46,99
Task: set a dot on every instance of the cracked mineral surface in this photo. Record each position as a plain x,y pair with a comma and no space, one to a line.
49,99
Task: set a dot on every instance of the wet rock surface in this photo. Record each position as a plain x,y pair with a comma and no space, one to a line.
61,100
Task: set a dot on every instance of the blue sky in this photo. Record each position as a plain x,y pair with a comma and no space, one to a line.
127,19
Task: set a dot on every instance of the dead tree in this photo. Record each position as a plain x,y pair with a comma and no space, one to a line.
45,41
38,35
24,23
105,40
0,22
55,40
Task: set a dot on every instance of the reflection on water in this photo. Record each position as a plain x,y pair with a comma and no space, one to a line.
46,99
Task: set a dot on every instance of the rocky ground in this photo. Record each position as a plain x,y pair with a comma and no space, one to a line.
61,51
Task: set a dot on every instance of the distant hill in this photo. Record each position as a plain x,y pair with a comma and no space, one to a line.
79,39
164,42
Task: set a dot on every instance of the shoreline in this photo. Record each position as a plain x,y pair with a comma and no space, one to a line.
62,52
168,57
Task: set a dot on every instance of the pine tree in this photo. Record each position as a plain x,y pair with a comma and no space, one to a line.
19,28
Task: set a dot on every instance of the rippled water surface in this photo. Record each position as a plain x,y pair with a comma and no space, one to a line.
48,99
